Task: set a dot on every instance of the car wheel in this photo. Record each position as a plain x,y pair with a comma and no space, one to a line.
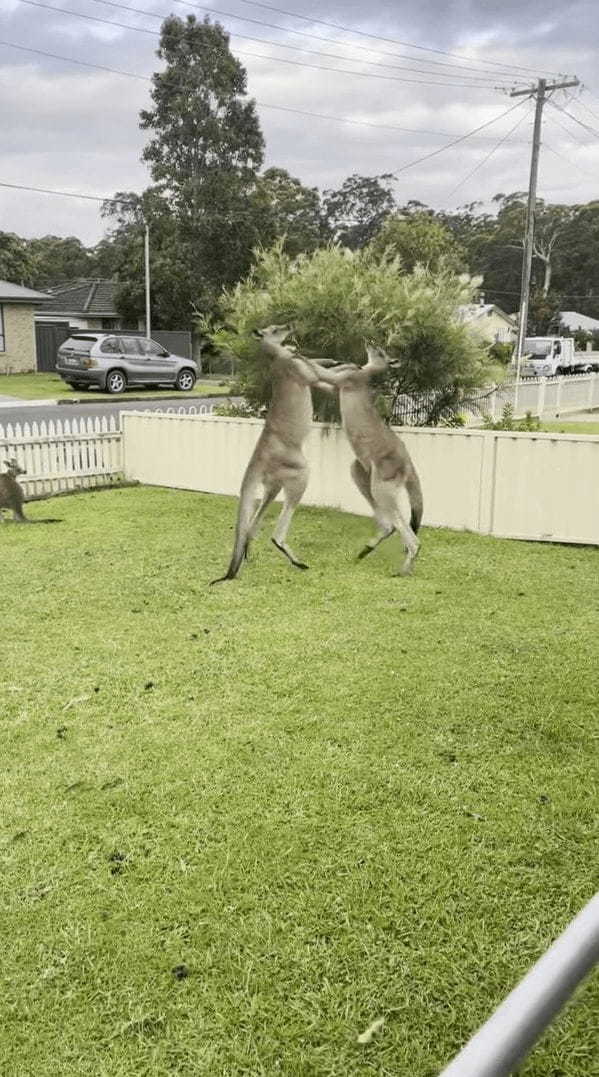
116,382
186,380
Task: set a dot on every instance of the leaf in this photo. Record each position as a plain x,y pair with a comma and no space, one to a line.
366,1036
75,702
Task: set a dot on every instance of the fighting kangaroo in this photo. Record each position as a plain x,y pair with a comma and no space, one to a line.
278,461
382,465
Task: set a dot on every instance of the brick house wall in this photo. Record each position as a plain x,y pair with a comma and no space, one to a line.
17,338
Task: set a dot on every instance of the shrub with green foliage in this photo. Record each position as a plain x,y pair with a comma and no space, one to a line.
337,300
529,424
502,353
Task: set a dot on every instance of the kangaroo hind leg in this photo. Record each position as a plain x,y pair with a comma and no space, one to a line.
294,488
361,478
386,496
261,505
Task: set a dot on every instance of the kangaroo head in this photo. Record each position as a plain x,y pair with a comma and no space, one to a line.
378,358
274,333
13,468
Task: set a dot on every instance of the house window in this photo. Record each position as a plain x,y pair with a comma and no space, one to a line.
2,344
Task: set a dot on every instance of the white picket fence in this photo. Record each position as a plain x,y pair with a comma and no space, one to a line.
64,454
545,397
73,454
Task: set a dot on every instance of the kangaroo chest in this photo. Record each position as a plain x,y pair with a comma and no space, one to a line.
363,426
291,412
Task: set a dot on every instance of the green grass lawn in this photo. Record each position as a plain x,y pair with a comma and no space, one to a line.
50,387
558,427
239,824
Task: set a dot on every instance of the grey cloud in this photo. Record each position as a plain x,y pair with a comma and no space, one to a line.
70,127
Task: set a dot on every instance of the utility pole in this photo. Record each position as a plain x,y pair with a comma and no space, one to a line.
540,93
147,271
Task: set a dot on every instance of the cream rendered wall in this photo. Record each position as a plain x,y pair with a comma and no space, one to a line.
19,338
530,486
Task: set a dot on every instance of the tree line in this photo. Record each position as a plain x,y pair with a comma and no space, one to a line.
211,205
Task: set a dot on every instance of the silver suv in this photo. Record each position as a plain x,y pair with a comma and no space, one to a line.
113,361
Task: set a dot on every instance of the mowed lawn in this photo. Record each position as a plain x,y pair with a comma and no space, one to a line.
51,387
239,824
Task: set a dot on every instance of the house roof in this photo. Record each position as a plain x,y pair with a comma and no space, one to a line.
14,293
572,320
85,298
473,311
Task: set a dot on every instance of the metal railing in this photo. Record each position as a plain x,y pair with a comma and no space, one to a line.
507,1037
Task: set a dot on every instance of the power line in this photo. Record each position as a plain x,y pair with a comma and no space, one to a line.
569,161
80,63
262,104
253,215
580,123
585,106
256,55
64,194
564,295
481,164
294,48
456,141
572,137
486,72
389,40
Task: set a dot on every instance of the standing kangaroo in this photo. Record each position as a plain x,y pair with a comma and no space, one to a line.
11,494
382,465
278,461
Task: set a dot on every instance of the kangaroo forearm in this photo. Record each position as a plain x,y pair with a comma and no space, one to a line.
333,377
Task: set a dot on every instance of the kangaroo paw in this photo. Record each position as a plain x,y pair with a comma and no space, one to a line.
364,553
222,579
289,555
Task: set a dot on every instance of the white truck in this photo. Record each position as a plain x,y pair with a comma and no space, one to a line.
544,357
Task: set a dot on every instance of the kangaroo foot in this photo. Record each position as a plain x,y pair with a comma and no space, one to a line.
364,552
289,554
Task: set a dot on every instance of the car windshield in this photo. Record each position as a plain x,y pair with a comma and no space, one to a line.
538,348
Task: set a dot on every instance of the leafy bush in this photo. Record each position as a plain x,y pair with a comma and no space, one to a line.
337,300
502,353
529,424
236,411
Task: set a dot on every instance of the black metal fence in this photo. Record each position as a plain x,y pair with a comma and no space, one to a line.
438,405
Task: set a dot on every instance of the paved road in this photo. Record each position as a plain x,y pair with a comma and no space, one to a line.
27,413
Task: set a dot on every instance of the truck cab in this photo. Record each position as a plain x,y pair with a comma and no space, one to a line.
544,357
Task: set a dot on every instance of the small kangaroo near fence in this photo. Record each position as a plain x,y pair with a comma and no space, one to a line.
12,496
383,464
278,461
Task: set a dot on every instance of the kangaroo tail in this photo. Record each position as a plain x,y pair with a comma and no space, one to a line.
415,495
247,495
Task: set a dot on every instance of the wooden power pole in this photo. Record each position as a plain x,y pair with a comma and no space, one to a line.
540,93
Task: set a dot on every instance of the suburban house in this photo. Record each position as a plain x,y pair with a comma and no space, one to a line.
491,322
17,327
88,303
571,320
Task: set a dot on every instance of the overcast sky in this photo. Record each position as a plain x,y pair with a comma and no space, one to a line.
76,128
